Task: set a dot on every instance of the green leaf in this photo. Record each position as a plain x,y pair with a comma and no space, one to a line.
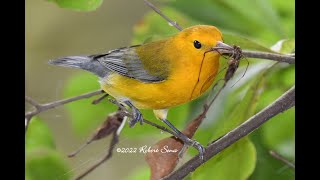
268,167
241,108
278,134
286,11
38,135
82,5
288,76
278,81
216,13
260,12
284,46
27,177
237,162
84,116
44,163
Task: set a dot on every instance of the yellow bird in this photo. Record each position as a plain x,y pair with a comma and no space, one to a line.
157,75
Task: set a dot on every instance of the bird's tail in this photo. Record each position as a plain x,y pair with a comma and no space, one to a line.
72,61
81,62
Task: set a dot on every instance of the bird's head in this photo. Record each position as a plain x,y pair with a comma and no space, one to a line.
198,39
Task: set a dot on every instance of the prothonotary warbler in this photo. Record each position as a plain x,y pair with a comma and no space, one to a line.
157,75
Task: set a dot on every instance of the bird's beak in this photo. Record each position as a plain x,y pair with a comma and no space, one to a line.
221,45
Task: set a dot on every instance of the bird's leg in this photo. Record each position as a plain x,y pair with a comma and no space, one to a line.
121,107
187,141
136,114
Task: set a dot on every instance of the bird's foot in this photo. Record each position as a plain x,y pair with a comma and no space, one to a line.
187,141
134,115
190,142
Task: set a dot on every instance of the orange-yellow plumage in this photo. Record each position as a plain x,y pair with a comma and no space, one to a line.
180,61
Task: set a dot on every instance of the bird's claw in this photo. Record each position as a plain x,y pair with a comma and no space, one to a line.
196,145
134,115
200,148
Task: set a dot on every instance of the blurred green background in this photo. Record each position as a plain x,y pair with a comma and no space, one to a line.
52,32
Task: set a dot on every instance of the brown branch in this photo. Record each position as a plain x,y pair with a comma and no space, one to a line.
282,159
44,107
32,102
286,58
286,101
271,56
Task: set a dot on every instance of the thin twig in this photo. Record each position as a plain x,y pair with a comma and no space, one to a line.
158,126
290,59
282,159
151,123
113,143
97,101
286,101
175,24
270,56
32,102
44,107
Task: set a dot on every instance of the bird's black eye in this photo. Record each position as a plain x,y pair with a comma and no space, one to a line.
197,44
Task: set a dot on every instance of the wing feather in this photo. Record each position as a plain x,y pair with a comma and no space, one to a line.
126,62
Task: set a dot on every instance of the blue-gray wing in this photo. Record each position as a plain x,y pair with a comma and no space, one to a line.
126,62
